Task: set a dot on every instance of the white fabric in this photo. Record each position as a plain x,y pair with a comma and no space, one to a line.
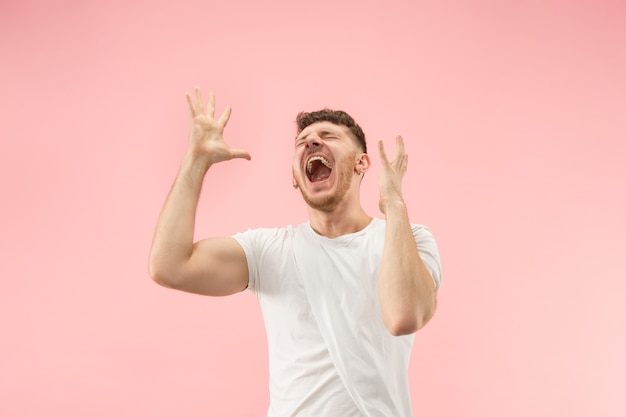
330,353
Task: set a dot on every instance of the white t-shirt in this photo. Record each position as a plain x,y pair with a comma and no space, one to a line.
329,352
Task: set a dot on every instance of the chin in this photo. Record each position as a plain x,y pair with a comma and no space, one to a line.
326,204
325,201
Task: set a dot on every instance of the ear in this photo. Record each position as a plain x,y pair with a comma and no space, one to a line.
295,184
363,163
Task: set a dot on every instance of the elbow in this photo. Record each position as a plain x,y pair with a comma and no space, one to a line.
161,280
161,276
405,324
402,329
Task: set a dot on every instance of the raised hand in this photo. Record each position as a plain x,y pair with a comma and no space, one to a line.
392,173
206,138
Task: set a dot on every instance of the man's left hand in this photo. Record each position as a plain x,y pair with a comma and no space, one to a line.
392,173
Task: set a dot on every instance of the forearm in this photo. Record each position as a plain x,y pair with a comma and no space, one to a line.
407,290
173,239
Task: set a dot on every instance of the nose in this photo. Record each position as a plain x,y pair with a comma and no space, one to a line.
313,141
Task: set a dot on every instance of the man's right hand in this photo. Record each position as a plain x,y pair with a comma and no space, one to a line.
214,266
206,138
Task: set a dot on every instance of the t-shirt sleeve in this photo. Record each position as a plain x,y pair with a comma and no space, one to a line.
249,242
428,251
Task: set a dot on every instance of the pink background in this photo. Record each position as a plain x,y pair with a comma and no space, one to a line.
514,114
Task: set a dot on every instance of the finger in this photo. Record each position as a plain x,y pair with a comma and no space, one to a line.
210,110
399,148
192,110
383,154
240,153
199,106
225,116
404,163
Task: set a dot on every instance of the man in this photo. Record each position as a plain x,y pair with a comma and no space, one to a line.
341,295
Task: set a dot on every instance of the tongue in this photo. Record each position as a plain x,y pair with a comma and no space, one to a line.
320,173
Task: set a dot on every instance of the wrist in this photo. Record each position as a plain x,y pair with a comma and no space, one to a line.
195,164
394,206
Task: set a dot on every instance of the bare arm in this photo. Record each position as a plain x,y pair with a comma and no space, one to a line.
407,290
215,266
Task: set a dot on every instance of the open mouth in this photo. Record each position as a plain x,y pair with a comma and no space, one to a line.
318,169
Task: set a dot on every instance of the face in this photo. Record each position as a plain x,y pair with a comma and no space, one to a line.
326,160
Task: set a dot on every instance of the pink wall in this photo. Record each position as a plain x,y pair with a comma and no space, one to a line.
515,121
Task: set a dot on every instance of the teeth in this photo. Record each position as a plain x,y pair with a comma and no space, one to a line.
317,158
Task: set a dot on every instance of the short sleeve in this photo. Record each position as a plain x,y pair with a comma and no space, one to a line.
428,251
247,240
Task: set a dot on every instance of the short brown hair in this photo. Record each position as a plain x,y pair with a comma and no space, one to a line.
338,117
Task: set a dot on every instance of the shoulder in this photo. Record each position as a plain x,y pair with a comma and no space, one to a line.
268,231
263,237
419,230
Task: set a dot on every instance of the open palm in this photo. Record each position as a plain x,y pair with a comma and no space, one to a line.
207,133
392,173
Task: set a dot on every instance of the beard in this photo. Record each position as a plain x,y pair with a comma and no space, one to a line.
330,201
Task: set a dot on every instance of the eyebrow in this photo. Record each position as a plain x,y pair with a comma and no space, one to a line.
321,133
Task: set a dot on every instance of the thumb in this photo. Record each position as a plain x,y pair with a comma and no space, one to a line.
240,153
383,154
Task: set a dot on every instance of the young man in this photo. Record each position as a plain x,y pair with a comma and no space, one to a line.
341,295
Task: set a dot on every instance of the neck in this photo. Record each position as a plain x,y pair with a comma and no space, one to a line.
340,221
